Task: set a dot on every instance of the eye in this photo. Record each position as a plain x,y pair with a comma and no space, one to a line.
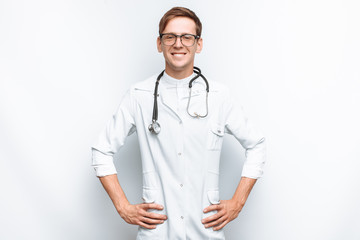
168,37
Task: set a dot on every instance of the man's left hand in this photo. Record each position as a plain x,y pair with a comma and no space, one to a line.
227,211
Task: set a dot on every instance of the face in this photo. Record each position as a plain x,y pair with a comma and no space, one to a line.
179,60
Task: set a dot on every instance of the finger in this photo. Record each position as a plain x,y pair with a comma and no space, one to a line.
212,217
145,225
217,228
216,222
213,208
151,221
155,215
152,206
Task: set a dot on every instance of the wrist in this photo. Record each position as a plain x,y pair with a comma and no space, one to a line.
121,207
238,204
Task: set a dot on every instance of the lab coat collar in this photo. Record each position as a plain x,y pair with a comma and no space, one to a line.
170,81
167,81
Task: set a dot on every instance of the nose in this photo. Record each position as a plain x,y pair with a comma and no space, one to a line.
178,43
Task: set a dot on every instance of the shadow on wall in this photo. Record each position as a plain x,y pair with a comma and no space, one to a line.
128,165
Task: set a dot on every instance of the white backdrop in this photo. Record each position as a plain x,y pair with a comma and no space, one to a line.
293,65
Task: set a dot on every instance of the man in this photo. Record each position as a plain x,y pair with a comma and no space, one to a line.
181,163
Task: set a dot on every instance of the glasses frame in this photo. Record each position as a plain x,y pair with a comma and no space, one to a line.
179,36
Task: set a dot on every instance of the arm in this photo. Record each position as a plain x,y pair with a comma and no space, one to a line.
133,214
228,210
112,138
237,124
243,190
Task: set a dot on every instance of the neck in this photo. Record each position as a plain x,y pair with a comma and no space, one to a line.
179,74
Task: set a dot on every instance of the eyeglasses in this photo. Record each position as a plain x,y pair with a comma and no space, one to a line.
169,39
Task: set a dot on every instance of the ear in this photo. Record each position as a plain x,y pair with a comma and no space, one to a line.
199,45
158,44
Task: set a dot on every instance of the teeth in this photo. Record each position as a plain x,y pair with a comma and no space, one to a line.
179,54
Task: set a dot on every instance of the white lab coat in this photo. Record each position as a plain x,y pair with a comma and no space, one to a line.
181,163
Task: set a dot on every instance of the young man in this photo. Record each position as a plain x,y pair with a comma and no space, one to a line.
181,162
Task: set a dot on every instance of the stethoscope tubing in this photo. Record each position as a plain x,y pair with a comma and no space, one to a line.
154,127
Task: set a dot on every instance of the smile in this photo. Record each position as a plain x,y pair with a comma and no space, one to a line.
178,54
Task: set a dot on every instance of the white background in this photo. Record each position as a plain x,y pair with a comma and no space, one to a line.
293,65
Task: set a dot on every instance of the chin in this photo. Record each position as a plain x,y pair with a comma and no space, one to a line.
179,66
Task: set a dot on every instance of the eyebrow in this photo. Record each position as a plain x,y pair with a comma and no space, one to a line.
180,33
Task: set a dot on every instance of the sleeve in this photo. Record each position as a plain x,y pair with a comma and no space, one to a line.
112,138
250,138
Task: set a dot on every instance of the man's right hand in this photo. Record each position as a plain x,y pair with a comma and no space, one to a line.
134,214
137,214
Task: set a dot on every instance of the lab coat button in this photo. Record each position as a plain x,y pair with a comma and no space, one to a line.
179,154
181,185
182,217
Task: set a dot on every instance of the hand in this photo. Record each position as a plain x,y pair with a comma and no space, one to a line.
137,214
227,211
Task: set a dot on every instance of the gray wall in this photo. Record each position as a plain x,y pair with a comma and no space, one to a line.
294,66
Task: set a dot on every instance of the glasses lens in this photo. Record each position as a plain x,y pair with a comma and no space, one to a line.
188,40
168,39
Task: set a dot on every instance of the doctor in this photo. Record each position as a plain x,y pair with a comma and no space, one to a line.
181,162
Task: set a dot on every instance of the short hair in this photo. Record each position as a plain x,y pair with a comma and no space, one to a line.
180,12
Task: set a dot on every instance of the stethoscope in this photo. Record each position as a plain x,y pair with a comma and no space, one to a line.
154,127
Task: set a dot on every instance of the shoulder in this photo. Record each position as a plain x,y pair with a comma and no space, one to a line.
219,88
140,89
145,85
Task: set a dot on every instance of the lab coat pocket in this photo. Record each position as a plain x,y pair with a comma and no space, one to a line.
212,180
150,180
152,196
149,195
213,196
215,137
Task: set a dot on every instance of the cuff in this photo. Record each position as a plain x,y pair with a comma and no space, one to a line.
251,173
102,163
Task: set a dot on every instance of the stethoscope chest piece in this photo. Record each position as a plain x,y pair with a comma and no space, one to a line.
154,127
